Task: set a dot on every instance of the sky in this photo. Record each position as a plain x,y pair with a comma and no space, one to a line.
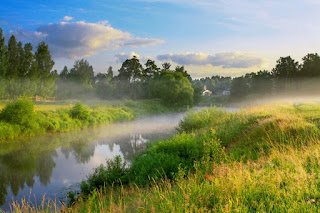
208,37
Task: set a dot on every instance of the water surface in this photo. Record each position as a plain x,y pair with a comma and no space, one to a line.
55,164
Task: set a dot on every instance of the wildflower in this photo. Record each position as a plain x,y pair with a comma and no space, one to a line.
208,177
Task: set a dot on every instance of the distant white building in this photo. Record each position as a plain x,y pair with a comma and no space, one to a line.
206,92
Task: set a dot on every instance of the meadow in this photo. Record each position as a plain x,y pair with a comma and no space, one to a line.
261,159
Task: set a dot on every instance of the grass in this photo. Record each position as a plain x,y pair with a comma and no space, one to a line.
63,117
261,159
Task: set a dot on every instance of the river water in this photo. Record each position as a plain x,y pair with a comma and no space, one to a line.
55,164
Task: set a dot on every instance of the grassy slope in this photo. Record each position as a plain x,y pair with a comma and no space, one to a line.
264,159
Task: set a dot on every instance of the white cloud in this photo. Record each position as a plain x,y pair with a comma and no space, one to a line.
121,57
82,39
224,60
67,18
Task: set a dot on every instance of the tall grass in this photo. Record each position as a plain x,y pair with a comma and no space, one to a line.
262,159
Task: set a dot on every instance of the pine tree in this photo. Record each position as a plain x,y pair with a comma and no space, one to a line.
12,56
27,60
20,60
44,66
43,58
3,59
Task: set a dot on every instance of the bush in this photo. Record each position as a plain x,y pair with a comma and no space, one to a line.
80,112
164,158
130,103
19,112
204,118
173,89
115,173
154,166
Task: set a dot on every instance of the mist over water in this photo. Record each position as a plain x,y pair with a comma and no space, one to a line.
55,164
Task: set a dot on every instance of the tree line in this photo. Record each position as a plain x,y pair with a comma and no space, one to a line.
29,73
135,81
288,76
24,71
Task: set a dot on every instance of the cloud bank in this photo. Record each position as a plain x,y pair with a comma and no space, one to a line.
82,39
225,60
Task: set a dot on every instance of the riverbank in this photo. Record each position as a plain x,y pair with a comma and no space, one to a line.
24,119
265,158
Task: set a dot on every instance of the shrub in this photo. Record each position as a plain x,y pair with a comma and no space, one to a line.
130,103
204,118
115,173
173,89
80,112
19,112
153,165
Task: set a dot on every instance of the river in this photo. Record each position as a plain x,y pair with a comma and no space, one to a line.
55,164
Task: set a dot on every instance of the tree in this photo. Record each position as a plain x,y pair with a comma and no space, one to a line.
130,72
3,58
43,58
82,73
239,88
310,66
20,59
150,70
64,73
221,83
285,71
104,87
286,67
26,61
44,63
101,77
184,72
166,66
262,82
12,56
109,74
173,89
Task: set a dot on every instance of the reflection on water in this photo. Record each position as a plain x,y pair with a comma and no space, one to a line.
55,164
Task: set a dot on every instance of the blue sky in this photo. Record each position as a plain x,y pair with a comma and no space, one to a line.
209,37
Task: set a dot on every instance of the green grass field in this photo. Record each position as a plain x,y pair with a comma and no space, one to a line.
261,159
